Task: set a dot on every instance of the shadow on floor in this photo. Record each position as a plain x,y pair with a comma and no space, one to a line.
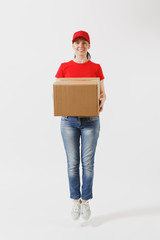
102,219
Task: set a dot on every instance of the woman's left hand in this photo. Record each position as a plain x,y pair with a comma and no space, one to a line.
102,99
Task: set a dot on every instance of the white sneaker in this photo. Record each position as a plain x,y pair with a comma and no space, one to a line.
85,210
76,210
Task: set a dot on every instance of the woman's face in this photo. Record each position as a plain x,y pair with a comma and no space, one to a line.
80,46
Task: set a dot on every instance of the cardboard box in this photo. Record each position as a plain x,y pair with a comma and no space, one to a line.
76,97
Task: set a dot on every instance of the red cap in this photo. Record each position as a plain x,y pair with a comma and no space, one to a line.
81,34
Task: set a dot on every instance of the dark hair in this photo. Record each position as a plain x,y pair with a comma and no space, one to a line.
88,56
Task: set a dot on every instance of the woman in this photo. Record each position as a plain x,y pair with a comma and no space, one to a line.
74,127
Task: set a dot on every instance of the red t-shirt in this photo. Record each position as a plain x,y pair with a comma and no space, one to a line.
73,69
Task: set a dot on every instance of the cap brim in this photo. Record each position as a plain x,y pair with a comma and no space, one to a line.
80,37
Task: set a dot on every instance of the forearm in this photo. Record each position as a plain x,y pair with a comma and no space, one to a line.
102,89
103,95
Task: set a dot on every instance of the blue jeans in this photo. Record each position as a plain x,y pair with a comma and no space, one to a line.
71,130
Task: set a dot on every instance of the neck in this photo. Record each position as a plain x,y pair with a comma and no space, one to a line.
80,59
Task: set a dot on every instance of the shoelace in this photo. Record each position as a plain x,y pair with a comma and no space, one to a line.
86,205
76,207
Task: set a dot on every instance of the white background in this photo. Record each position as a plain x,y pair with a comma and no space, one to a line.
34,191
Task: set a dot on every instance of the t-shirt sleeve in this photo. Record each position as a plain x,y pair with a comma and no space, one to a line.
59,73
100,72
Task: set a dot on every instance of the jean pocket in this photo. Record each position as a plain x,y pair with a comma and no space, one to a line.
91,119
64,117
